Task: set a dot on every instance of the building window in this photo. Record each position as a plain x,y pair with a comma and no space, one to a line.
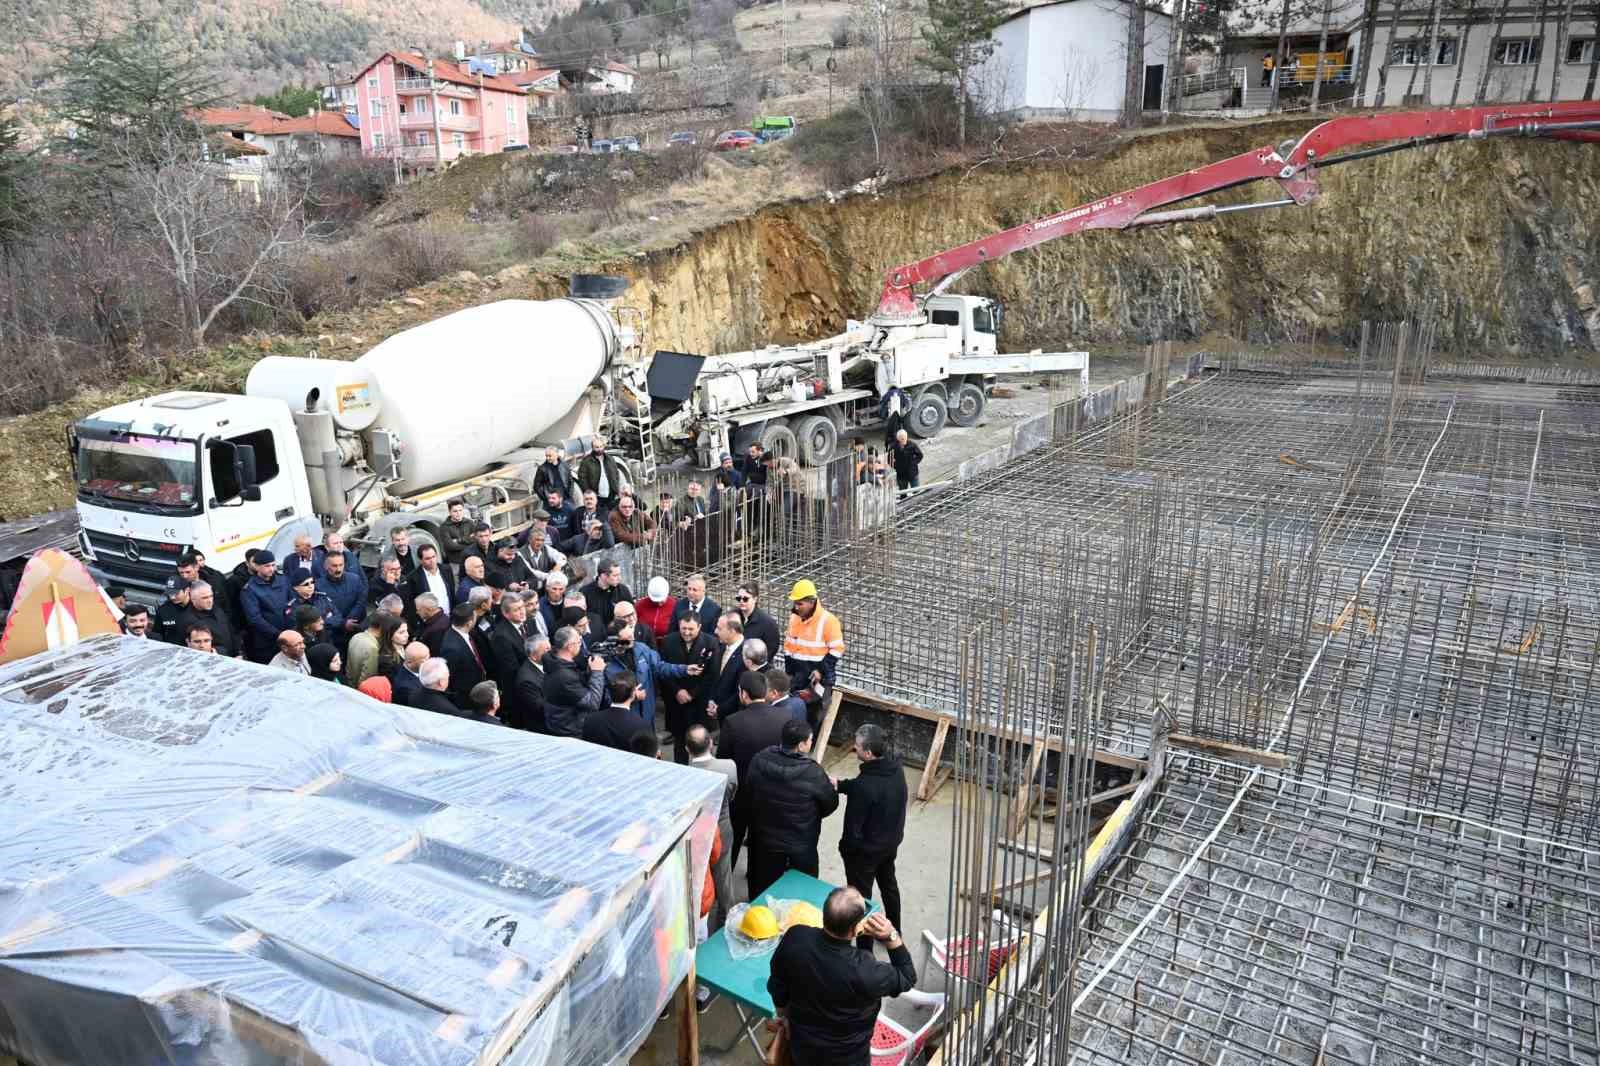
1411,53
422,105
422,138
455,106
460,141
378,108
372,82
402,107
1581,50
377,138
1517,51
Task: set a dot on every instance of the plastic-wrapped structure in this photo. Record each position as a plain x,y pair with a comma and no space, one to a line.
203,861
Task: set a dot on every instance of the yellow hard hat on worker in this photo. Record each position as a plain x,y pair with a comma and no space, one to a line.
803,589
759,923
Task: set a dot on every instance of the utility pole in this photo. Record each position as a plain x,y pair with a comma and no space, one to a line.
433,108
783,31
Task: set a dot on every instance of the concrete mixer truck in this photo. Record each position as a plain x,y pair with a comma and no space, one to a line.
459,406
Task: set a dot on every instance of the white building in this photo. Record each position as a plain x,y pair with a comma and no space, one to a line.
1066,60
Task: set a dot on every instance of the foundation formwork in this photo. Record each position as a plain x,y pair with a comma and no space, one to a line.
1366,609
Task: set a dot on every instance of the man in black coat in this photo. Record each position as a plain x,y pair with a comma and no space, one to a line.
400,550
758,624
755,728
874,822
508,639
618,724
389,581
171,611
601,474
432,575
203,611
695,600
685,699
827,991
460,654
907,460
571,692
553,475
790,795
433,695
524,707
723,697
601,595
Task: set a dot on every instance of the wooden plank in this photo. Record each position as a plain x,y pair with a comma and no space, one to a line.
1024,803
1098,797
820,748
688,1019
1271,759
930,769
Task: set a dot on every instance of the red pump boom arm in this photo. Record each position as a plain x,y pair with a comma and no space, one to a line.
1295,170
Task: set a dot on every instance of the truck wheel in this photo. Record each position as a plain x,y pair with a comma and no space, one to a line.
928,415
818,438
967,405
779,438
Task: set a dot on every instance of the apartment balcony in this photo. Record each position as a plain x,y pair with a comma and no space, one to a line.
427,153
422,86
447,122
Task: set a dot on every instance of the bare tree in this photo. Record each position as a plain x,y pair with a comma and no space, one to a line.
884,31
1488,59
1594,54
1078,74
1176,43
1533,75
1558,61
213,244
1133,75
1322,50
1469,19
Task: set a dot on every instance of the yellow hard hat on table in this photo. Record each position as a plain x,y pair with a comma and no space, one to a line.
759,923
803,590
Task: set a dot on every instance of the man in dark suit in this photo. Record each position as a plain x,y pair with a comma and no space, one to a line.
434,694
525,698
723,699
617,725
756,727
433,621
508,638
685,699
432,575
406,679
460,654
695,599
758,624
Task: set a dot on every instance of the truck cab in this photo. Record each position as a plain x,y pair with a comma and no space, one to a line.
160,476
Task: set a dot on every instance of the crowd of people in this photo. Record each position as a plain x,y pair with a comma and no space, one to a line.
511,631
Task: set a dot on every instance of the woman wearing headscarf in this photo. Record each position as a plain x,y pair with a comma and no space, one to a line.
324,662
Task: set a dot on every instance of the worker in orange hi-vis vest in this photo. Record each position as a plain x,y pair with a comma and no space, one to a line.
811,650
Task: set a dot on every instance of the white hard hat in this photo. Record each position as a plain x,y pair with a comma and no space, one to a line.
658,589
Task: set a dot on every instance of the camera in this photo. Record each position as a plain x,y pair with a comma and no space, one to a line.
605,648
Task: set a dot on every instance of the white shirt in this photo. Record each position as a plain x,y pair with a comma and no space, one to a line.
283,662
603,489
728,652
436,586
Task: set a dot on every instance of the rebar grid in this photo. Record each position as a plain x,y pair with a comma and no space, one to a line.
1394,586
1333,926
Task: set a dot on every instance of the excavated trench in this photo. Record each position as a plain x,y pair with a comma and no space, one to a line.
1502,238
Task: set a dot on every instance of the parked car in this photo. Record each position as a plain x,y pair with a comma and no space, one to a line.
515,148
733,140
600,147
625,144
565,149
683,138
774,128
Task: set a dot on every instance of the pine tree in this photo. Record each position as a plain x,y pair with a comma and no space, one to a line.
960,37
14,164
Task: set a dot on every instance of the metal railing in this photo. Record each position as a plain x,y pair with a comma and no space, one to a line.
423,85
1208,81
447,121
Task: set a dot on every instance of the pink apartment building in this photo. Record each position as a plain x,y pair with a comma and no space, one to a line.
430,111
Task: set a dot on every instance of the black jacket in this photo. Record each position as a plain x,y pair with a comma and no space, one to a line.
510,651
724,687
416,583
224,638
571,691
550,477
613,727
790,795
404,686
432,631
465,672
708,614
522,704
907,460
581,543
753,729
875,817
431,699
600,603
763,627
455,539
680,716
165,619
830,990
378,588
589,477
